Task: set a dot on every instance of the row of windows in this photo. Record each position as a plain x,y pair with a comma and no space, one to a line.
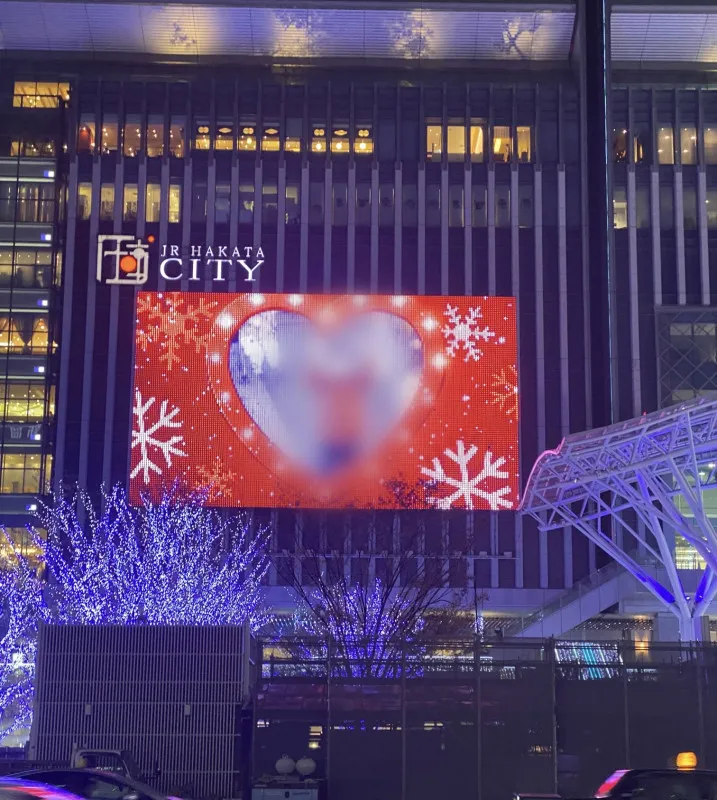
24,401
24,333
130,202
40,94
21,473
29,147
458,206
643,218
683,149
26,268
457,139
27,202
469,140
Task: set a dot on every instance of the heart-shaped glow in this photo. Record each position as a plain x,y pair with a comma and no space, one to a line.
326,394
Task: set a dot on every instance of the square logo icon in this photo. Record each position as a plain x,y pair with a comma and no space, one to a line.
122,260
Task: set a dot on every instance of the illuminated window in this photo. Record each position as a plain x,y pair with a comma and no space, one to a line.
155,136
688,144
35,202
340,141
132,141
434,142
23,543
619,207
619,145
638,148
154,202
202,139
224,139
20,473
292,143
129,202
502,143
270,139
40,94
525,151
86,135
175,202
107,201
176,137
32,148
26,268
477,143
456,142
11,339
84,200
710,136
318,140
109,134
247,138
363,144
39,339
686,557
665,145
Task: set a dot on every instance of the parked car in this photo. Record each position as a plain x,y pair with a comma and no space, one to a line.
14,763
95,785
21,789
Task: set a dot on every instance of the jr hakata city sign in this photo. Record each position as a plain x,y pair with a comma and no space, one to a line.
124,260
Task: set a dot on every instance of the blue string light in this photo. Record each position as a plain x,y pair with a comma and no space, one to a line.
173,562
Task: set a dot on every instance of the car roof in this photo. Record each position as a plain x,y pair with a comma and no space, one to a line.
665,771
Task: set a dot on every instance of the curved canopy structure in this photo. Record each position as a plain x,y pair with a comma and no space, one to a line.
630,487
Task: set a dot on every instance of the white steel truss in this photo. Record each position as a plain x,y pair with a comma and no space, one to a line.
629,488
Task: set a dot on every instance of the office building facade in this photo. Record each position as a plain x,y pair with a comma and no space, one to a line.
410,150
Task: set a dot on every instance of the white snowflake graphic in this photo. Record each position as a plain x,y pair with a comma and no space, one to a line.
146,435
464,333
467,488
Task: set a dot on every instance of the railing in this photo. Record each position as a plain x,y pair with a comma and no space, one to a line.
580,589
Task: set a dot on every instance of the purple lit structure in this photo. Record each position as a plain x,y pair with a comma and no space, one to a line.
630,488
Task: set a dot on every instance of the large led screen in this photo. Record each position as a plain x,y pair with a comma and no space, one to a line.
327,401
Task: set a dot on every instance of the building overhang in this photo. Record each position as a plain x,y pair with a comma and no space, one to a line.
289,33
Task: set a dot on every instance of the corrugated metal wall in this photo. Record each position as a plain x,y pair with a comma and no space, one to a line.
170,694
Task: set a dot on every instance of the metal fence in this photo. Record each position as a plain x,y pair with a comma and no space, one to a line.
483,720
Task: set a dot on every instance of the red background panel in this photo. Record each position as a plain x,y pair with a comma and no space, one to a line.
452,444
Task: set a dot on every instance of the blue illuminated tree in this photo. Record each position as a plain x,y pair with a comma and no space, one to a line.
371,626
171,562
21,610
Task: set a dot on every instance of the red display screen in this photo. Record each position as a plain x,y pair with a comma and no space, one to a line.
327,401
